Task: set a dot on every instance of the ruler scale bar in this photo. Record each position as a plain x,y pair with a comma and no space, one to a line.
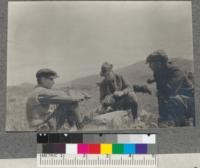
66,161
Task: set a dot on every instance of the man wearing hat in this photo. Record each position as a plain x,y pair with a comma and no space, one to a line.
115,92
174,91
48,109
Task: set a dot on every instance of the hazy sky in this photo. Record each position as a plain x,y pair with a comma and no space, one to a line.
75,38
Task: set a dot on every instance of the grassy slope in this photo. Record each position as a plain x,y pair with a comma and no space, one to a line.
136,74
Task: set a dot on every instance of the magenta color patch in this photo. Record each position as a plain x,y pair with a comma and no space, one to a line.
83,148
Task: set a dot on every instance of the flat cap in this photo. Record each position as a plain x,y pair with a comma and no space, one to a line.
46,73
158,55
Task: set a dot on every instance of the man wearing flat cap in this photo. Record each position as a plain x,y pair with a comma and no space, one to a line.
48,109
115,92
174,91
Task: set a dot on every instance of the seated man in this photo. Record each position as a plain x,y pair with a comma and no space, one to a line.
49,109
115,92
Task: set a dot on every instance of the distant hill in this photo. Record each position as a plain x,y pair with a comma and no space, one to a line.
136,73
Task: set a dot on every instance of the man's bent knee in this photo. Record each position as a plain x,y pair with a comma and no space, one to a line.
133,104
132,97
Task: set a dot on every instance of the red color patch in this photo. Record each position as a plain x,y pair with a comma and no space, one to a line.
94,148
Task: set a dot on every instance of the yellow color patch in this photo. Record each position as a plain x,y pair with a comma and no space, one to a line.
106,148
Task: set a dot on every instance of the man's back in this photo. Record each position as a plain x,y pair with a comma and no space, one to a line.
171,80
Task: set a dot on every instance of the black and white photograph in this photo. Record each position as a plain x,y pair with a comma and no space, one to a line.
102,65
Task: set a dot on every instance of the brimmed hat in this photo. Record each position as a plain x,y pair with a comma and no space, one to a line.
106,67
157,56
46,73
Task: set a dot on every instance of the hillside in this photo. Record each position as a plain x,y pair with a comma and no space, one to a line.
136,73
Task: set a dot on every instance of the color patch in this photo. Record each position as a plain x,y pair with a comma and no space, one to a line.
141,148
82,148
76,138
149,139
94,148
39,148
135,139
59,138
152,149
110,138
48,148
129,149
99,138
117,148
42,138
122,138
71,149
106,148
59,148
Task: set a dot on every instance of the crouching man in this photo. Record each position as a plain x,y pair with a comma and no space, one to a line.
175,92
115,92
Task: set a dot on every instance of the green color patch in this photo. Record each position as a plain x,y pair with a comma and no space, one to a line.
117,148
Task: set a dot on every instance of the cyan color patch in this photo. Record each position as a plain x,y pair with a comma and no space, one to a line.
129,148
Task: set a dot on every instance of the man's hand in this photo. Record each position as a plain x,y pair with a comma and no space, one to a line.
142,89
150,81
86,95
77,99
118,93
109,109
80,96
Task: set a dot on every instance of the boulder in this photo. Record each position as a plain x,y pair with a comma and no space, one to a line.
116,119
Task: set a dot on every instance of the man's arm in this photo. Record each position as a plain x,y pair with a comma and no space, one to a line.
142,89
176,77
102,90
127,87
48,96
150,81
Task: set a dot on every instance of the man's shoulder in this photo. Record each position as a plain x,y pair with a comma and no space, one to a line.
172,67
40,90
102,82
175,71
118,76
32,97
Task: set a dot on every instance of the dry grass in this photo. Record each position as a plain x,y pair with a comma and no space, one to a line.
17,96
136,74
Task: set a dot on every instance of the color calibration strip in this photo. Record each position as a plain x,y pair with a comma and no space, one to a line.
97,143
97,148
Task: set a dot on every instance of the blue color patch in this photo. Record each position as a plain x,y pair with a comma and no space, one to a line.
129,148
